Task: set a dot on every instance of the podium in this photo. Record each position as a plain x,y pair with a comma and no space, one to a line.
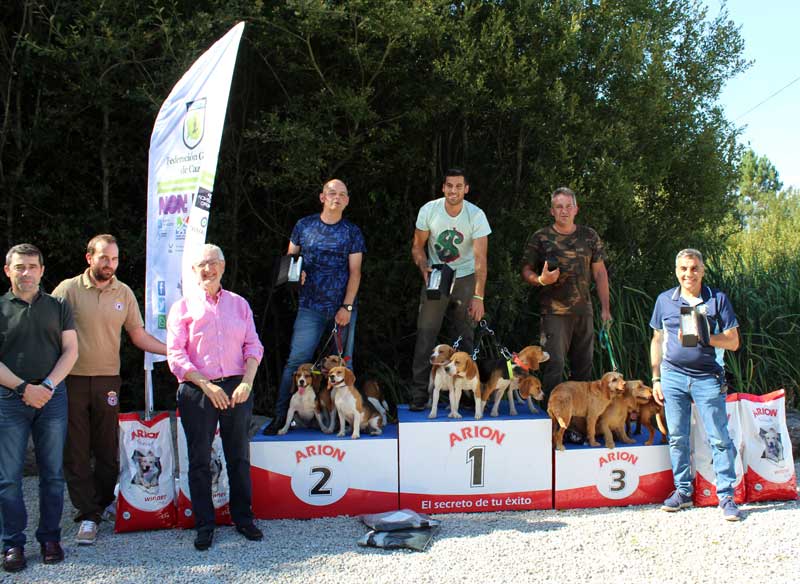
629,474
307,474
468,465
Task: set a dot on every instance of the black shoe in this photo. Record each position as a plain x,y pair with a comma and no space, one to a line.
417,407
14,559
203,539
276,424
52,553
250,531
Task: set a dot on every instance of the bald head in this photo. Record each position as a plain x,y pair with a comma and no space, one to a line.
334,196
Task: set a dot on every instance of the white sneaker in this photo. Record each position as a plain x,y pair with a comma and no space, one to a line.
87,533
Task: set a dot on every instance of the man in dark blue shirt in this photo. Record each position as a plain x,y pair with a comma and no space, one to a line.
686,374
332,248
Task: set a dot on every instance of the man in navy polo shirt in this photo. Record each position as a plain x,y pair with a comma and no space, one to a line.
682,375
332,249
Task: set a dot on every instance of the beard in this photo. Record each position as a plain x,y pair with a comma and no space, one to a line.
102,274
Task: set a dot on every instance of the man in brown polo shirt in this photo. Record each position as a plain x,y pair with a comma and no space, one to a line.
101,305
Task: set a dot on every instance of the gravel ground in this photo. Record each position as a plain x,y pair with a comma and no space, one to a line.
637,544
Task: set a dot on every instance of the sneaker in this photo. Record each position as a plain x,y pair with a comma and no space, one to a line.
87,533
110,512
730,511
677,501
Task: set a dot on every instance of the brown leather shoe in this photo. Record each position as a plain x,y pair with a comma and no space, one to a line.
14,559
52,552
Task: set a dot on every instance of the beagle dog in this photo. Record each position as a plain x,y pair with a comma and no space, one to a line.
374,394
462,369
305,403
325,398
350,406
439,379
524,364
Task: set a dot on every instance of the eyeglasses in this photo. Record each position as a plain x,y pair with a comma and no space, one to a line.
207,264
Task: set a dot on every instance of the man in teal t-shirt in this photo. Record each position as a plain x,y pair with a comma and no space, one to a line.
457,234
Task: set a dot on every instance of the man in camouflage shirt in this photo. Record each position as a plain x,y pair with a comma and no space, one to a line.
561,260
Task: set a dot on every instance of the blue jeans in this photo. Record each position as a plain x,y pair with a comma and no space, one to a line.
709,399
309,326
49,428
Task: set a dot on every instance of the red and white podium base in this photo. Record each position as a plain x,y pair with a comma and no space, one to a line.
468,465
307,474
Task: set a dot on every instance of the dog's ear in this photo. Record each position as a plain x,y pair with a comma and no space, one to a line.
137,454
349,377
762,432
470,369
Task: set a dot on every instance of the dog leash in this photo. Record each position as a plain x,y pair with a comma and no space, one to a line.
605,343
336,335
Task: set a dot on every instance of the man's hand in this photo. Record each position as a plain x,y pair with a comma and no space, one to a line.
216,395
657,394
342,317
36,396
476,309
547,276
425,270
605,315
302,277
241,393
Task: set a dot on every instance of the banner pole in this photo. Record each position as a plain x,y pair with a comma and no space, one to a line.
148,387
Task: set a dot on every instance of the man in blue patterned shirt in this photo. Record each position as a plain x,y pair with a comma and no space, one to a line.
332,248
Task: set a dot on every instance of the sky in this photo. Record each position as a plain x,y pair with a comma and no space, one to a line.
771,32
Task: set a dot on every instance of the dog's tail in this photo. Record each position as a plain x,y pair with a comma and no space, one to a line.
662,423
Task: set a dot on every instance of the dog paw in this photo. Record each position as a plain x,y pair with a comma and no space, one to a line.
340,434
495,414
432,415
355,436
594,443
281,432
610,445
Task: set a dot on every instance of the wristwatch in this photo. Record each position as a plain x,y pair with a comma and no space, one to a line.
20,389
348,307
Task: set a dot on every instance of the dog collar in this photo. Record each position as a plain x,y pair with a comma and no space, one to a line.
510,367
518,362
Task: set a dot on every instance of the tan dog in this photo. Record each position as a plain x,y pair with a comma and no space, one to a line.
350,406
465,376
645,418
525,363
439,379
615,416
305,402
582,398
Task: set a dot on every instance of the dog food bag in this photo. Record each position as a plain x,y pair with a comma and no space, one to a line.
146,497
769,465
705,490
220,490
415,539
397,520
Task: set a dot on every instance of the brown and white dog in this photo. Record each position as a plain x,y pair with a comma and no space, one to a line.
350,406
374,394
325,398
465,376
305,403
582,398
439,379
524,364
613,419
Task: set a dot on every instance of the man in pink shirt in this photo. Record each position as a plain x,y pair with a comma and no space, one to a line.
214,351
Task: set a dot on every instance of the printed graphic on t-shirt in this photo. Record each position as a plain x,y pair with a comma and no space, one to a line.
446,245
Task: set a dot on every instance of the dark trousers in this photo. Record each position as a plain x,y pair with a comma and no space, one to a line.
569,336
431,315
199,418
92,431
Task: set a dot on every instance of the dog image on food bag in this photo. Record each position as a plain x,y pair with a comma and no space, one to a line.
773,447
147,469
216,468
